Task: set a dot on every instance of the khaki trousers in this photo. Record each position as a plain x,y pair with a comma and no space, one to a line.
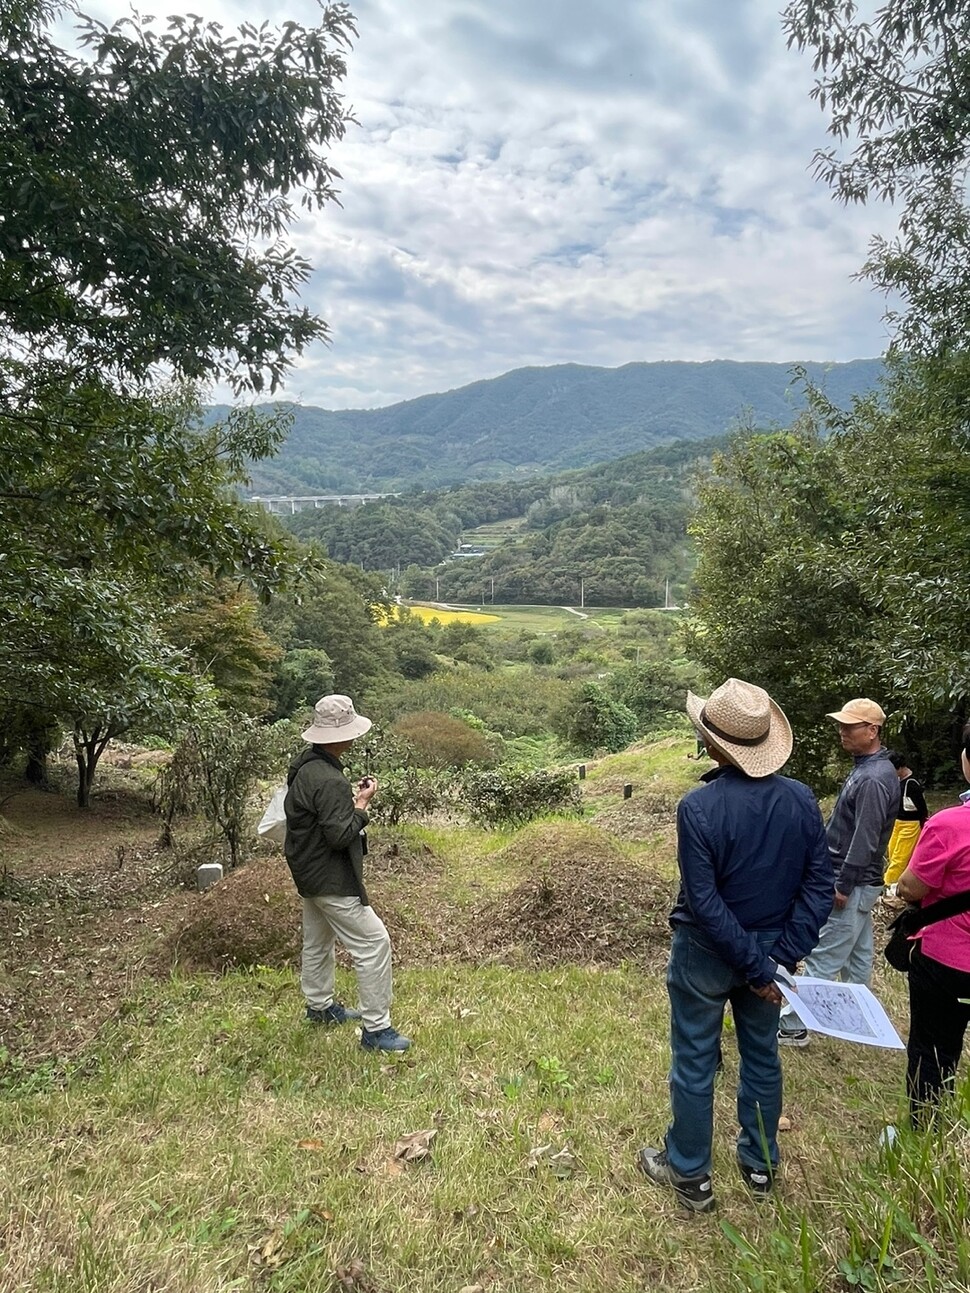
362,932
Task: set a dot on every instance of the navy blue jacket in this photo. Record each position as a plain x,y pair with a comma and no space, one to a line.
753,856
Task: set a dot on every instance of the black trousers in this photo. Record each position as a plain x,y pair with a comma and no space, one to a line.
937,1023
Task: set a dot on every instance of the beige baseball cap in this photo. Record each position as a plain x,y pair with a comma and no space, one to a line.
860,710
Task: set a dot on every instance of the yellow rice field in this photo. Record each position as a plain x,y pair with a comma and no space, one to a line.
429,613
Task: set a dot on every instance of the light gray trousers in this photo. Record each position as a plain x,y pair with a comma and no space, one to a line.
362,932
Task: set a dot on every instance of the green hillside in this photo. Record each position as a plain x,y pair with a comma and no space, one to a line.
536,420
611,535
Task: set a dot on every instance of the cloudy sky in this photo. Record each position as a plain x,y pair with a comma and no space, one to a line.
551,181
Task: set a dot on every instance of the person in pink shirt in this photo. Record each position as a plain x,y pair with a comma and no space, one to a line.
939,976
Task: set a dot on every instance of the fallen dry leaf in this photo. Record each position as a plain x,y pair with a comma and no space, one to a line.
310,1142
561,1162
270,1252
352,1276
537,1154
473,1288
415,1146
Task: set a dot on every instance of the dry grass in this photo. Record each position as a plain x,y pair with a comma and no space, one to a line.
189,1134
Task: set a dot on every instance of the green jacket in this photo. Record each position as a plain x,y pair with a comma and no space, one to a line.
324,846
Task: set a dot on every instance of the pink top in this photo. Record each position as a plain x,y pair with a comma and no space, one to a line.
941,860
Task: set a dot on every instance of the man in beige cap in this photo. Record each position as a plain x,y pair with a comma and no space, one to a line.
857,834
756,886
325,847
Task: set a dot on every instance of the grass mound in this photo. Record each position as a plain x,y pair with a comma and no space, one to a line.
582,903
251,918
391,855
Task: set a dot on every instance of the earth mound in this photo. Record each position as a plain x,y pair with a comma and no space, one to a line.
582,903
253,916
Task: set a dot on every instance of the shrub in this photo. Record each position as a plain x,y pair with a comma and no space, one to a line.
512,795
595,721
515,703
214,771
542,652
439,740
409,792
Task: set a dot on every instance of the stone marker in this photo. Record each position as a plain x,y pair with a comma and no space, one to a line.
208,873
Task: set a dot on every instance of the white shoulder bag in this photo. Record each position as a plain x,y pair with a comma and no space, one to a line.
272,825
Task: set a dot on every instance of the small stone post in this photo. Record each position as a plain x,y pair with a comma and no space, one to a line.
207,874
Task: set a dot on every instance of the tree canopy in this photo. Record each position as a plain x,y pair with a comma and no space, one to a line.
833,565
149,178
896,85
146,188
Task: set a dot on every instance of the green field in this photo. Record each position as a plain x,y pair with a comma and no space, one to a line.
495,533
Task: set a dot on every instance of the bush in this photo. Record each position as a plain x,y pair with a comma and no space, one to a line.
439,740
512,795
214,771
513,702
595,721
405,793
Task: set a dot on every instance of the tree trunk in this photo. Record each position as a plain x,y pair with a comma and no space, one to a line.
40,737
88,749
35,771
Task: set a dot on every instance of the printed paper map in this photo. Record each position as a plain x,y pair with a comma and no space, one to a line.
845,1010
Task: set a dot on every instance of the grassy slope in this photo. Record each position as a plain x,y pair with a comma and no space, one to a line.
210,1141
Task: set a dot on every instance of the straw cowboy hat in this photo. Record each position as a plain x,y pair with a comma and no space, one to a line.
335,720
745,725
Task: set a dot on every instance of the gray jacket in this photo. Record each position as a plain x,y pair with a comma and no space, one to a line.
862,821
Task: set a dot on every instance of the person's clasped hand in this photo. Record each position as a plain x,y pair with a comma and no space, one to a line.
768,992
366,789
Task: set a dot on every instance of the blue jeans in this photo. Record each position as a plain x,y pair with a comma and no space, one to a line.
700,983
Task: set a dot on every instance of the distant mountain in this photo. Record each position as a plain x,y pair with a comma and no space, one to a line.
538,420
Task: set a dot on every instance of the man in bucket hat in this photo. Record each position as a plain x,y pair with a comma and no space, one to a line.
756,886
857,833
325,847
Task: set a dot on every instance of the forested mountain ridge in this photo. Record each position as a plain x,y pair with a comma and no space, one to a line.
535,421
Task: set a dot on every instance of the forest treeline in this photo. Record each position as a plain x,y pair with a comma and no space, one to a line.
610,535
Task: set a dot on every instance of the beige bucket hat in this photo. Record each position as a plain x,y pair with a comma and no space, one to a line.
745,724
335,720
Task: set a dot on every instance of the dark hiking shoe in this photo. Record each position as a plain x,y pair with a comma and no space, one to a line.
694,1193
335,1013
792,1036
759,1180
385,1039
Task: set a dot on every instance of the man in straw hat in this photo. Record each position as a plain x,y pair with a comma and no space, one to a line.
325,847
756,886
857,833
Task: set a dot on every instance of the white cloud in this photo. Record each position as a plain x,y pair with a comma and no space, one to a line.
548,182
